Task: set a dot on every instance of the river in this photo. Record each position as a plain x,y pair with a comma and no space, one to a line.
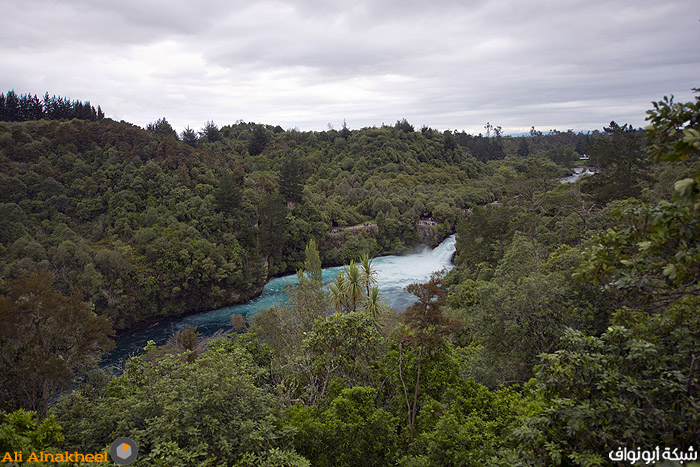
394,273
579,173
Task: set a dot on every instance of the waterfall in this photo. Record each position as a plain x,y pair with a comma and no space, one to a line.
394,274
444,251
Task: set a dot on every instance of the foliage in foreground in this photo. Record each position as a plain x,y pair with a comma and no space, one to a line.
210,411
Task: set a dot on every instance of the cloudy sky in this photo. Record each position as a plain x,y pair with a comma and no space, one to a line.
306,63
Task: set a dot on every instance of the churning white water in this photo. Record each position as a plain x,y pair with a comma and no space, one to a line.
579,173
394,273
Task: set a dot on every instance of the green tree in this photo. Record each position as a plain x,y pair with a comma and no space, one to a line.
352,431
216,410
619,157
367,273
404,126
210,132
373,304
345,131
674,130
652,255
522,311
284,327
312,263
227,196
274,226
353,285
450,142
470,424
338,293
21,431
189,136
45,339
523,148
633,386
636,384
482,236
426,329
260,138
291,182
343,346
162,127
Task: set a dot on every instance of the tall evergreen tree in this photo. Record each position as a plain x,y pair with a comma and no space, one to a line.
11,107
210,132
621,161
189,136
258,141
345,132
273,226
291,183
162,127
523,148
228,195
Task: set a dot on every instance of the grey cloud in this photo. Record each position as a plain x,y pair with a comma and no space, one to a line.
445,63
39,23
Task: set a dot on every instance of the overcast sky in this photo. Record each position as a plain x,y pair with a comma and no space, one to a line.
305,63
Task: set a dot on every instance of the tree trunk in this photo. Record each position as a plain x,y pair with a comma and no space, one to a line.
415,394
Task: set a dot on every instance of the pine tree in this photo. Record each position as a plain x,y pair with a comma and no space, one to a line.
291,184
258,141
227,197
210,132
162,127
11,107
189,136
523,148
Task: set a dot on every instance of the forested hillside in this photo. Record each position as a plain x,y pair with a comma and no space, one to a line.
150,226
567,335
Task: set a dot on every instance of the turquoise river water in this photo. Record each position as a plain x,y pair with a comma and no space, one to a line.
394,274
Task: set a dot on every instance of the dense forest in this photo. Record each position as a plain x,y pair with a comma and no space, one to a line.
150,226
14,108
567,332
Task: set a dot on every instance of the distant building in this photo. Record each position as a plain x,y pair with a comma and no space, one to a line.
584,157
